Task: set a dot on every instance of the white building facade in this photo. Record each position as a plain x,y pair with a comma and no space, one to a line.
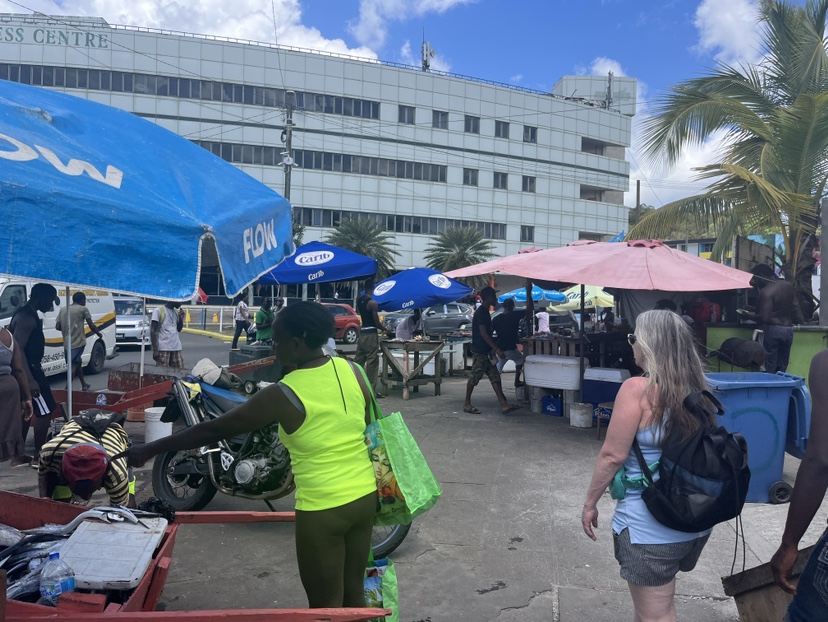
418,151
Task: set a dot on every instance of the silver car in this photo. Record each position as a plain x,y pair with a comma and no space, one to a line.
131,321
447,318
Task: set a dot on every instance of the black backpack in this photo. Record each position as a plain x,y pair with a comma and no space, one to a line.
703,479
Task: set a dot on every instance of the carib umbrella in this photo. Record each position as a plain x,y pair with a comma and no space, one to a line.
594,296
538,294
417,288
93,196
317,262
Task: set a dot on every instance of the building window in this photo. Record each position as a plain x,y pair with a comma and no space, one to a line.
530,134
590,193
407,115
501,129
439,119
501,180
528,183
469,177
472,125
527,233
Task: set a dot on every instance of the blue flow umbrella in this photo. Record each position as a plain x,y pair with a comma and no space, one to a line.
317,262
417,288
93,196
552,295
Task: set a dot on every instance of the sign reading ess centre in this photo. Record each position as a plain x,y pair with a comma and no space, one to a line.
52,36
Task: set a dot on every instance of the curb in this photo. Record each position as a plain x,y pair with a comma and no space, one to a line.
208,333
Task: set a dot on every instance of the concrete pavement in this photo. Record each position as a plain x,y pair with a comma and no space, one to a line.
503,543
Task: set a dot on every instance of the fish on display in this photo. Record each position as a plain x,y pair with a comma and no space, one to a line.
9,535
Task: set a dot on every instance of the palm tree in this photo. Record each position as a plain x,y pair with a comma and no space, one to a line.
775,116
458,247
366,237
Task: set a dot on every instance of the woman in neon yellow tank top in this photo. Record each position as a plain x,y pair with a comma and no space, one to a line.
321,409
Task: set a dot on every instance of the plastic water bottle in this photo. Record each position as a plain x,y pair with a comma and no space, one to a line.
101,401
56,577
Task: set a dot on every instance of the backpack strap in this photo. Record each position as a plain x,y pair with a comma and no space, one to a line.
642,462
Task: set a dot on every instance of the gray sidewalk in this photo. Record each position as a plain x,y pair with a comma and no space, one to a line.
503,543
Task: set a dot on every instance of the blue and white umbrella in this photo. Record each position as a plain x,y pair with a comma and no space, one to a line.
417,288
93,196
552,295
317,262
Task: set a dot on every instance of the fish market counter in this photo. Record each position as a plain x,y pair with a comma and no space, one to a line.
398,367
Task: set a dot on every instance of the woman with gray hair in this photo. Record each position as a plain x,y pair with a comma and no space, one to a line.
648,408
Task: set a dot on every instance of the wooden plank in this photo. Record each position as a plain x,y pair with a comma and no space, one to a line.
761,576
201,518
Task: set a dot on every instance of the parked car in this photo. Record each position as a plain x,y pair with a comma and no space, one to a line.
131,321
346,320
391,319
447,318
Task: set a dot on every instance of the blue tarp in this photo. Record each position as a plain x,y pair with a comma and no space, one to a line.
417,288
98,197
317,262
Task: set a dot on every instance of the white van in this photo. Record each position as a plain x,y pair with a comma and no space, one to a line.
15,293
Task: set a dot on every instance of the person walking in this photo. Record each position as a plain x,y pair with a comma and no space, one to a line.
27,328
649,408
322,408
482,346
507,328
74,330
242,317
167,322
367,353
15,401
810,593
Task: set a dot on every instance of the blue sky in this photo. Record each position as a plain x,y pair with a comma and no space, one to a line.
531,43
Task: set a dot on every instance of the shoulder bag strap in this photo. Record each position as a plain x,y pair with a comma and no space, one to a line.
642,462
372,409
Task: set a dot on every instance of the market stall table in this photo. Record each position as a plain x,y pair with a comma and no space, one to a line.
411,377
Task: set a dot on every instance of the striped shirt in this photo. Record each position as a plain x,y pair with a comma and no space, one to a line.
114,441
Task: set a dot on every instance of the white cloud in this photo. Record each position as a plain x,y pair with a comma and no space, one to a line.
601,66
242,19
516,79
371,28
728,30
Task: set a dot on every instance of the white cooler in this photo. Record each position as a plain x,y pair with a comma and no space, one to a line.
553,372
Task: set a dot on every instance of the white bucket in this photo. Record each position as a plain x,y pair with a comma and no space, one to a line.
580,415
155,428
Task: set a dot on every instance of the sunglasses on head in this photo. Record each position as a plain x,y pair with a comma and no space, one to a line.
631,339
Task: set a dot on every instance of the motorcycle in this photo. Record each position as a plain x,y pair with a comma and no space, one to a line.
252,466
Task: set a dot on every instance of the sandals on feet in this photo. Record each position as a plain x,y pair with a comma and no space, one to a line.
511,409
471,409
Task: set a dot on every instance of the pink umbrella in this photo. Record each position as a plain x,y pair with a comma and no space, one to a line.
638,264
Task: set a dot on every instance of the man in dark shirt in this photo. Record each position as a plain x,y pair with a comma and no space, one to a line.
367,353
27,328
774,312
482,347
506,327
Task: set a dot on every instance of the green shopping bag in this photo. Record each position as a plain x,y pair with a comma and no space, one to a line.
381,589
405,485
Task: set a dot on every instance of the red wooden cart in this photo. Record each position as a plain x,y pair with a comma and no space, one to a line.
25,512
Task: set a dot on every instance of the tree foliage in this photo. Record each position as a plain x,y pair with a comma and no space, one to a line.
366,237
774,117
458,247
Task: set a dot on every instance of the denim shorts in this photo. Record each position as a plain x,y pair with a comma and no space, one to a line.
75,354
652,565
811,600
510,355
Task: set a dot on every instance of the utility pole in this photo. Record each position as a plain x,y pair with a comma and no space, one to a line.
637,201
287,138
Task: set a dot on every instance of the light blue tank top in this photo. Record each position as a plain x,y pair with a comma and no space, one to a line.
632,513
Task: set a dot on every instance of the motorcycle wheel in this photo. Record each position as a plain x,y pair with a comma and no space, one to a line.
185,493
386,539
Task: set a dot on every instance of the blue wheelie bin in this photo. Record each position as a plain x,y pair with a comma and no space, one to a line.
757,406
